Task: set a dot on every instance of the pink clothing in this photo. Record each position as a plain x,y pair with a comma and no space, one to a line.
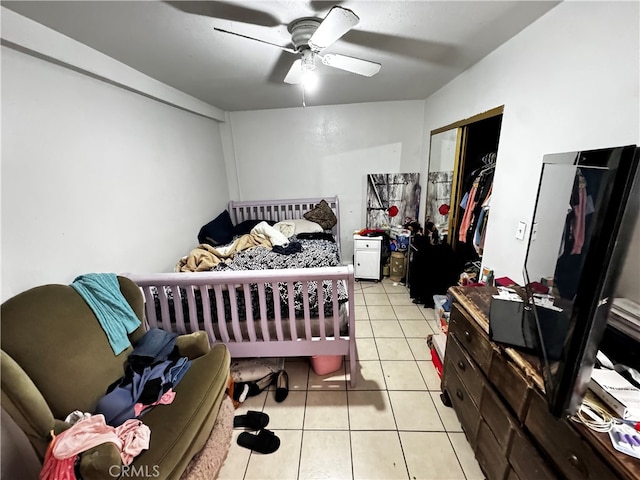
166,399
135,437
130,439
579,214
468,214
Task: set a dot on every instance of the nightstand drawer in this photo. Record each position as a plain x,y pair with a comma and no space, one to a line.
471,337
360,244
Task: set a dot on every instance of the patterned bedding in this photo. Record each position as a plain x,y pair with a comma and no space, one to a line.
314,253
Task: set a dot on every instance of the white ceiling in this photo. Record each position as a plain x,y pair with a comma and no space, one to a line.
422,45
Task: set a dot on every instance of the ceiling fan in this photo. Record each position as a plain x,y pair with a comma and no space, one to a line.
311,36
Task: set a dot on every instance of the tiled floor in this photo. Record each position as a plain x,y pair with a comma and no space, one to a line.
392,425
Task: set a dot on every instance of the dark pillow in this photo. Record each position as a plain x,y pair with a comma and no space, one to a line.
322,215
218,231
245,227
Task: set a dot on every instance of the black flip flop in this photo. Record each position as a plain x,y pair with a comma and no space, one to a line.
252,420
264,441
282,386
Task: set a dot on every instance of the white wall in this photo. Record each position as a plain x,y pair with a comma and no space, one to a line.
568,82
321,151
97,178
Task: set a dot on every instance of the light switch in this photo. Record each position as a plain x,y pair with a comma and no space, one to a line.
522,227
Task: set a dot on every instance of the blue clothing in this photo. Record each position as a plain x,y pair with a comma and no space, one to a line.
153,367
102,293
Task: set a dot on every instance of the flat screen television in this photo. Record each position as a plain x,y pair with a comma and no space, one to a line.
586,207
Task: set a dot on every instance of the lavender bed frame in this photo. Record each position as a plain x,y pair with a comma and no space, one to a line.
253,338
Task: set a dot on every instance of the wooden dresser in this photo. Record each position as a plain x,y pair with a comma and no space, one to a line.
498,396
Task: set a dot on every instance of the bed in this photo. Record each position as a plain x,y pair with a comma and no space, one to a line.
267,312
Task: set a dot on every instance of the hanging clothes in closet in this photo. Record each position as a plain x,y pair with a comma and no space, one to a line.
476,204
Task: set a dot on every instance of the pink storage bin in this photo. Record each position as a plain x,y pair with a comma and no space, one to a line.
323,364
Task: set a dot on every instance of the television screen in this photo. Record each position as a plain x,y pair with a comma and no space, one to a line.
585,211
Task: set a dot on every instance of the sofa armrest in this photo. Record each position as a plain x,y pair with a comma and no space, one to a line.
22,400
102,462
193,345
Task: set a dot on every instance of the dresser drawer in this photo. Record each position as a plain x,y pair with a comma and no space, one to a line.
489,455
575,459
360,244
457,359
465,408
526,461
471,337
512,475
514,388
501,422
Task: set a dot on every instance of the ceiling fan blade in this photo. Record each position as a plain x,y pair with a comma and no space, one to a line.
286,49
294,76
338,21
351,64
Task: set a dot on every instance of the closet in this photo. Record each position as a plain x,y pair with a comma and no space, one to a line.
462,163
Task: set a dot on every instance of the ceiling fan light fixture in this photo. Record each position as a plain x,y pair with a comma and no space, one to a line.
308,61
310,80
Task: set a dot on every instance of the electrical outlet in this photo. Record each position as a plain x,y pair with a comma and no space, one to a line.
522,227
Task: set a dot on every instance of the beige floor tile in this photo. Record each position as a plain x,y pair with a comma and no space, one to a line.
298,373
415,328
325,455
326,410
281,464
330,381
377,455
419,348
366,349
372,287
465,455
430,375
429,455
358,299
363,329
402,375
428,313
369,376
381,312
400,299
376,298
235,465
408,312
370,410
447,414
415,411
392,287
361,312
288,414
386,328
393,349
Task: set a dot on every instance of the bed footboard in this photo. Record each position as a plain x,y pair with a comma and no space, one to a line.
255,313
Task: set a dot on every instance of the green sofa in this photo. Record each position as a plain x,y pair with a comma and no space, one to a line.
56,359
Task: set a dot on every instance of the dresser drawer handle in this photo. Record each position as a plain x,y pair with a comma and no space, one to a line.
459,394
467,335
461,365
576,463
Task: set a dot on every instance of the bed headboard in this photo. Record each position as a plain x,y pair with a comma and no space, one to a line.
279,210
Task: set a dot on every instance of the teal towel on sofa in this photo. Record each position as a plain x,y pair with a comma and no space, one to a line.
102,293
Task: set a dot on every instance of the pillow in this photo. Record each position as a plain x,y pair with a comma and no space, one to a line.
322,215
218,231
299,226
273,234
245,227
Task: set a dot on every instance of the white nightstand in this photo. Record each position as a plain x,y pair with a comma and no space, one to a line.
366,253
